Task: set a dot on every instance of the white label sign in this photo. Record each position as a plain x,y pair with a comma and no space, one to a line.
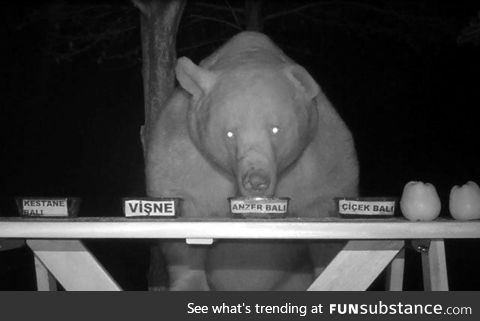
149,208
258,207
45,207
366,207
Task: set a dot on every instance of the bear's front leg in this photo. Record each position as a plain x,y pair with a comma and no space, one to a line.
184,263
322,252
186,266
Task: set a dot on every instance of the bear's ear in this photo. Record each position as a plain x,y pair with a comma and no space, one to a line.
313,121
302,81
194,79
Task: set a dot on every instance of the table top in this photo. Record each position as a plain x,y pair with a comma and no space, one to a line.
229,228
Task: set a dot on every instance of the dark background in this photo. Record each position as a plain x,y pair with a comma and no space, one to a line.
399,76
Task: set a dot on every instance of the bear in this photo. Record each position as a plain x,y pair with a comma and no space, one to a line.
249,121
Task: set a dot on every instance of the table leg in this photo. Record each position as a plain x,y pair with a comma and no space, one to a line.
73,265
357,265
434,267
45,280
395,272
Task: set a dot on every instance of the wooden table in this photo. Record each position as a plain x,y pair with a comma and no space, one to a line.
373,245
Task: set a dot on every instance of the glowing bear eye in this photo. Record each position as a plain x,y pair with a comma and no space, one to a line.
275,130
229,134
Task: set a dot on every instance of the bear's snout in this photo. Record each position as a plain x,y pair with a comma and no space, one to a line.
256,182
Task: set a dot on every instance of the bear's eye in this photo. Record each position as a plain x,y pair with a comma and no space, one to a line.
275,130
230,134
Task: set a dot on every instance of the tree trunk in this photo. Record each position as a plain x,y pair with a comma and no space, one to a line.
159,25
253,15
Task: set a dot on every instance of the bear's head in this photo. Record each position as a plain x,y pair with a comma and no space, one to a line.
253,121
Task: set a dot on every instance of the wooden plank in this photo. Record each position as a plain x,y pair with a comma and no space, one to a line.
238,229
45,280
434,267
395,272
73,265
357,266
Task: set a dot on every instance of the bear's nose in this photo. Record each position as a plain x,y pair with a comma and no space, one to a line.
256,181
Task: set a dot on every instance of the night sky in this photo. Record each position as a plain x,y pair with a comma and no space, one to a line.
404,84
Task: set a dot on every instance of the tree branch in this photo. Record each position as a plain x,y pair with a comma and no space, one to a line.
471,33
205,43
217,20
217,7
362,5
290,11
232,11
142,7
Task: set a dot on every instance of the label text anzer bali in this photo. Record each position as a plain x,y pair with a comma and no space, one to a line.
258,206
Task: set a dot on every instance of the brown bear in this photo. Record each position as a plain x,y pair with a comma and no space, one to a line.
249,121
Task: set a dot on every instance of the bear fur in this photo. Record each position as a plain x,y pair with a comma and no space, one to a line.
249,121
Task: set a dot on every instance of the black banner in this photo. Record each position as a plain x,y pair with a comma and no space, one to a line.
240,306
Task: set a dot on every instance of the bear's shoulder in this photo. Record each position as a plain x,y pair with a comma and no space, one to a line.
251,38
245,48
171,123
